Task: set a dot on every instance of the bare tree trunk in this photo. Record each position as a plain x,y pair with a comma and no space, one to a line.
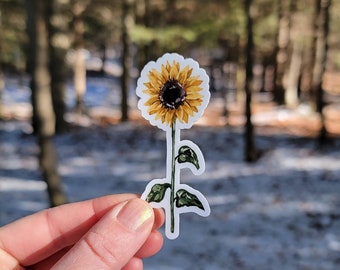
103,50
240,77
322,8
2,82
170,10
250,150
58,45
30,59
144,51
309,59
42,98
282,47
127,24
79,65
2,87
291,93
48,164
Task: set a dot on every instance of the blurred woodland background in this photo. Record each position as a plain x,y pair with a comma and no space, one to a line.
259,54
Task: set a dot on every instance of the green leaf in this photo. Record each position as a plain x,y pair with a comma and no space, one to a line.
185,198
187,154
157,192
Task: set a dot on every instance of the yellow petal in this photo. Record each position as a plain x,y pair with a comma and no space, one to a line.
151,91
174,71
183,75
168,67
192,81
165,73
187,109
154,108
178,68
151,100
153,80
194,102
189,73
185,117
159,115
193,95
147,84
193,89
169,117
158,77
179,113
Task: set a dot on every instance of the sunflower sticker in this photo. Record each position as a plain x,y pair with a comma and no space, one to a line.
174,93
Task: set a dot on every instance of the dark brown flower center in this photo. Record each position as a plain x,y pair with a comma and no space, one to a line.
172,94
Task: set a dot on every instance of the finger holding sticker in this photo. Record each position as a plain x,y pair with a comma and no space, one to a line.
174,93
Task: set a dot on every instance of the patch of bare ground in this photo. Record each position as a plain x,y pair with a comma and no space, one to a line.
267,117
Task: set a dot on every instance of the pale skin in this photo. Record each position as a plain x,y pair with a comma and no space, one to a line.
112,232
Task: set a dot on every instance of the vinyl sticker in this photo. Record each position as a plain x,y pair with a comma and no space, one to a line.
174,93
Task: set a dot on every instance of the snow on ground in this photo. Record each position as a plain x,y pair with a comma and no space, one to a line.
282,212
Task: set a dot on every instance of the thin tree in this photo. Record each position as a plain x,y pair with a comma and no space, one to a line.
127,24
145,50
309,56
79,65
2,82
293,76
250,149
42,97
58,46
322,8
282,47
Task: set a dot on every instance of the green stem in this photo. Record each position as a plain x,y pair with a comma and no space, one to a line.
173,165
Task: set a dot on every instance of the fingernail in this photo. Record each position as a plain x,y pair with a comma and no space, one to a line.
134,214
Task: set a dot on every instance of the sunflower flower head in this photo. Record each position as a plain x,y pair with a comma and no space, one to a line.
173,90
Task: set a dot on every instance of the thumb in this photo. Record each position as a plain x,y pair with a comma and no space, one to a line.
114,240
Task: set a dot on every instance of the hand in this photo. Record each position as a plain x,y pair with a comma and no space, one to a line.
111,232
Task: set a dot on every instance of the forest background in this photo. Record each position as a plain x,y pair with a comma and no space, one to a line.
287,49
261,55
270,134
